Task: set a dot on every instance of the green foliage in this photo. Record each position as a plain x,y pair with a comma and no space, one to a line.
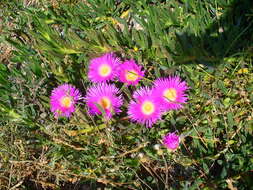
208,43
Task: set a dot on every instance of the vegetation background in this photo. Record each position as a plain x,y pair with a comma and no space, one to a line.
44,43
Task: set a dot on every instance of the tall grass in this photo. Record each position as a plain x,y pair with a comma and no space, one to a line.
47,43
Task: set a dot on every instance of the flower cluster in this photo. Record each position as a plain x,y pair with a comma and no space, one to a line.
102,98
150,103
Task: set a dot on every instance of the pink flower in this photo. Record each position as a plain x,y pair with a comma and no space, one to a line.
144,109
103,68
103,97
130,73
171,141
63,100
171,92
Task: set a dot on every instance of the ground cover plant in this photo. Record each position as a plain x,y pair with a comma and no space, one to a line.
47,46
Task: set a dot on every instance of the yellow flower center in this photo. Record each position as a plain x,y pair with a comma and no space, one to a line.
105,103
170,94
66,102
131,75
104,70
148,108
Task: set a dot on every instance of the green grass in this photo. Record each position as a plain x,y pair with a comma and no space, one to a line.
47,43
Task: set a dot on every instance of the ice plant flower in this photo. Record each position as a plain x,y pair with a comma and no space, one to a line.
63,100
105,98
171,92
103,68
171,141
130,73
144,109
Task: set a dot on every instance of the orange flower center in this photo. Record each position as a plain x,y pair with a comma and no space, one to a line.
170,94
105,103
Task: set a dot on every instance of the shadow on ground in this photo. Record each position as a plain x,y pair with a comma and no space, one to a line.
230,35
